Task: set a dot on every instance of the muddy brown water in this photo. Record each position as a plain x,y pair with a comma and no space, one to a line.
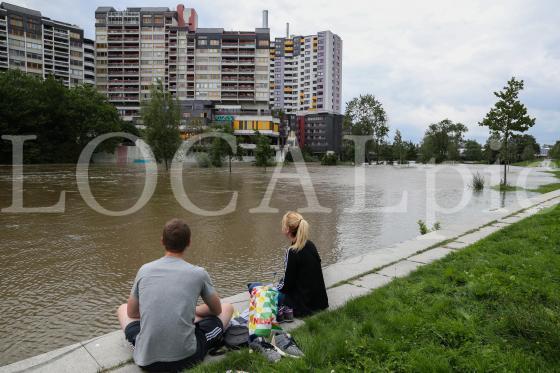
64,274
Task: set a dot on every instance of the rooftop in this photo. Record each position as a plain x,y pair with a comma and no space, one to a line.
20,9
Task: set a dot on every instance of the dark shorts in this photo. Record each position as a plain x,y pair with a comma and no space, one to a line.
209,335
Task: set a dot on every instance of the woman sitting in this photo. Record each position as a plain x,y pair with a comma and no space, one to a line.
302,288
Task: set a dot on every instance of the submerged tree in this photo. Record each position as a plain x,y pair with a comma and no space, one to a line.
161,115
473,151
442,141
63,119
399,148
508,116
365,115
263,151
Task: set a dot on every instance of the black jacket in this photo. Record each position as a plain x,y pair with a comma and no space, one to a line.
303,284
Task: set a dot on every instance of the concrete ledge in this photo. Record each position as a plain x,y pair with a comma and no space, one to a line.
400,269
129,368
339,295
372,281
456,245
356,266
69,359
109,350
430,255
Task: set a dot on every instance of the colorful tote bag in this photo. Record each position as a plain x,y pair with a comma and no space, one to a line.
263,308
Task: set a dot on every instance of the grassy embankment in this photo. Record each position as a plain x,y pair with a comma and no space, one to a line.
541,189
494,306
527,164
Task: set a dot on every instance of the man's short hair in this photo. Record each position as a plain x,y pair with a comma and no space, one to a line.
176,235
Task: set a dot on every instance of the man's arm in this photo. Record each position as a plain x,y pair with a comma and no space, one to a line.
133,308
213,306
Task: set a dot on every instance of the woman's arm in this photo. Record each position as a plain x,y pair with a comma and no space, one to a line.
289,281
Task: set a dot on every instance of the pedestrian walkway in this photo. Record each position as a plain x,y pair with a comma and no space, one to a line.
345,280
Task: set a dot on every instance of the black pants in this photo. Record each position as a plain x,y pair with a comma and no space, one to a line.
209,334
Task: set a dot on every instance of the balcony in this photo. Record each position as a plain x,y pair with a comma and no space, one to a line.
229,62
246,61
117,81
246,96
246,88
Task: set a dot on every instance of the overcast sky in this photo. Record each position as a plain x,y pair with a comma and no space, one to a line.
424,60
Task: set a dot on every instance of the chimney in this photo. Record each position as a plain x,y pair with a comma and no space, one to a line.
265,19
287,30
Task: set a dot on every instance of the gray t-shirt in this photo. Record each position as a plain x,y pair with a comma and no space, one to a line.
168,291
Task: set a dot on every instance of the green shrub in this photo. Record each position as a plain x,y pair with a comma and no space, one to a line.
329,159
477,182
203,160
422,227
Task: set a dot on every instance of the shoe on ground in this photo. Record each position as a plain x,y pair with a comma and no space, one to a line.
285,314
285,345
260,345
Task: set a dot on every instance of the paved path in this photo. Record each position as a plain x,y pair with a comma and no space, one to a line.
345,280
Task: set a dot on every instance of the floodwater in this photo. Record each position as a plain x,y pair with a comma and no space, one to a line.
64,274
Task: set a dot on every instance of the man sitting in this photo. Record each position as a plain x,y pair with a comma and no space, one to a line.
161,320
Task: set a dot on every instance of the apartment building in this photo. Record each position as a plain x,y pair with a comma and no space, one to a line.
306,73
320,132
139,46
41,46
89,61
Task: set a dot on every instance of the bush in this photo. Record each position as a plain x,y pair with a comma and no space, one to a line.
422,227
329,159
203,160
477,182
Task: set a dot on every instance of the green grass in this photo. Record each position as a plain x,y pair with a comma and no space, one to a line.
506,188
541,189
494,306
527,164
548,187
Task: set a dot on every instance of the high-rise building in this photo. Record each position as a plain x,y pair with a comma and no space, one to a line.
139,46
306,73
212,72
41,46
89,61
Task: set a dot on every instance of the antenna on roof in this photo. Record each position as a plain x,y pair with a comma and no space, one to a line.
265,19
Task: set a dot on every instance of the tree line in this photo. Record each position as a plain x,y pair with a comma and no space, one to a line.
445,140
64,119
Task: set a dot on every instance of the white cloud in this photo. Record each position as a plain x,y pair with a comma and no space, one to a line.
425,60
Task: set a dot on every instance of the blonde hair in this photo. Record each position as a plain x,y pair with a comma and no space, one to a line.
294,223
